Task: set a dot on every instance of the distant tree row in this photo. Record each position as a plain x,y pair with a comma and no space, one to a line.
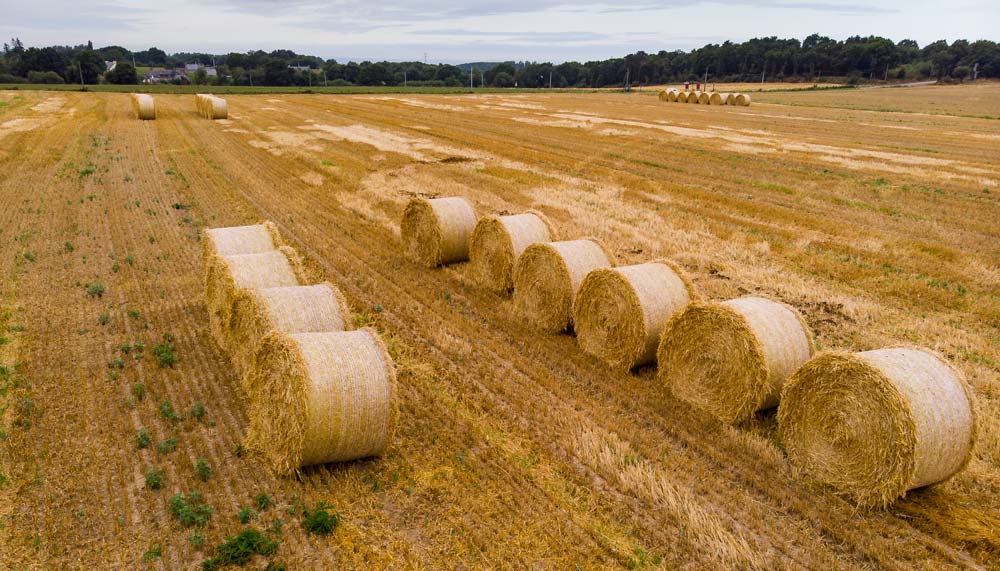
814,59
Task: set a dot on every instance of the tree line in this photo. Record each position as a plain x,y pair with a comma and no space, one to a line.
814,59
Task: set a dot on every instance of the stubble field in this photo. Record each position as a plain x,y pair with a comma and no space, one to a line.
876,214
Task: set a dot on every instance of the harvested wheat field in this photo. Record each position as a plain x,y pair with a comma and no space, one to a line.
122,421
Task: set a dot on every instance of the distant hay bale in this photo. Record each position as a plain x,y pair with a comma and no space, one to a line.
144,106
227,275
211,107
235,240
682,96
704,98
294,309
731,359
320,397
672,95
547,277
437,231
877,423
619,313
663,96
694,97
715,98
742,100
496,243
729,99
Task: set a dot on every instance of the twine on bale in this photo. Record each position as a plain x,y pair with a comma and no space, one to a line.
742,100
547,277
497,241
226,275
619,313
320,397
731,359
293,309
878,423
437,231
144,106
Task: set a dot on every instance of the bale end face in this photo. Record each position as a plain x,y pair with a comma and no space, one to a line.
547,277
319,398
875,424
731,359
619,314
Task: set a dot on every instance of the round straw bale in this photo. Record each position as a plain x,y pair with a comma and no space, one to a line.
694,97
732,358
715,98
320,397
663,95
216,108
437,231
729,99
229,274
672,95
743,99
144,106
236,240
877,423
496,243
682,96
619,313
547,277
704,98
293,309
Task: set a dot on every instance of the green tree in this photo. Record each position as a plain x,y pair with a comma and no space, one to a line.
122,74
87,66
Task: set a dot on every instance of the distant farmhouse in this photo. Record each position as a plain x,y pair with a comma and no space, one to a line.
181,74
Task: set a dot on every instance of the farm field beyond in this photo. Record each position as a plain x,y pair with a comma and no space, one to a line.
875,213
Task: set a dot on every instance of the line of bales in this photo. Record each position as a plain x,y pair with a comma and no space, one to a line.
317,390
674,95
871,424
208,106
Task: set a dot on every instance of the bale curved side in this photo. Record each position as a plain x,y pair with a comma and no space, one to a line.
716,98
437,231
743,99
321,397
547,277
619,313
694,97
291,309
682,96
496,243
731,359
144,106
663,96
704,98
672,95
875,424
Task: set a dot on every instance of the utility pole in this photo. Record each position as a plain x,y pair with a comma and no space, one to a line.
471,75
762,72
404,78
975,71
706,77
886,73
482,79
80,67
550,79
627,86
325,83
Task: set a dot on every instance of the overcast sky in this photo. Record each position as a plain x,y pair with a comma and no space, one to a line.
480,30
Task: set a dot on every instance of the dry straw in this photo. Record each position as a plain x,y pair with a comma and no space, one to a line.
694,97
704,98
729,98
437,231
682,97
742,99
496,243
878,423
144,106
664,96
547,277
716,98
294,309
731,359
619,313
227,275
236,240
672,95
211,107
320,397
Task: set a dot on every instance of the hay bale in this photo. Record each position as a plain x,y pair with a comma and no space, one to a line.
663,95
682,96
672,95
694,97
547,277
742,99
877,423
210,106
704,98
496,243
715,98
235,240
294,309
320,397
144,106
227,275
729,99
437,231
619,313
732,358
